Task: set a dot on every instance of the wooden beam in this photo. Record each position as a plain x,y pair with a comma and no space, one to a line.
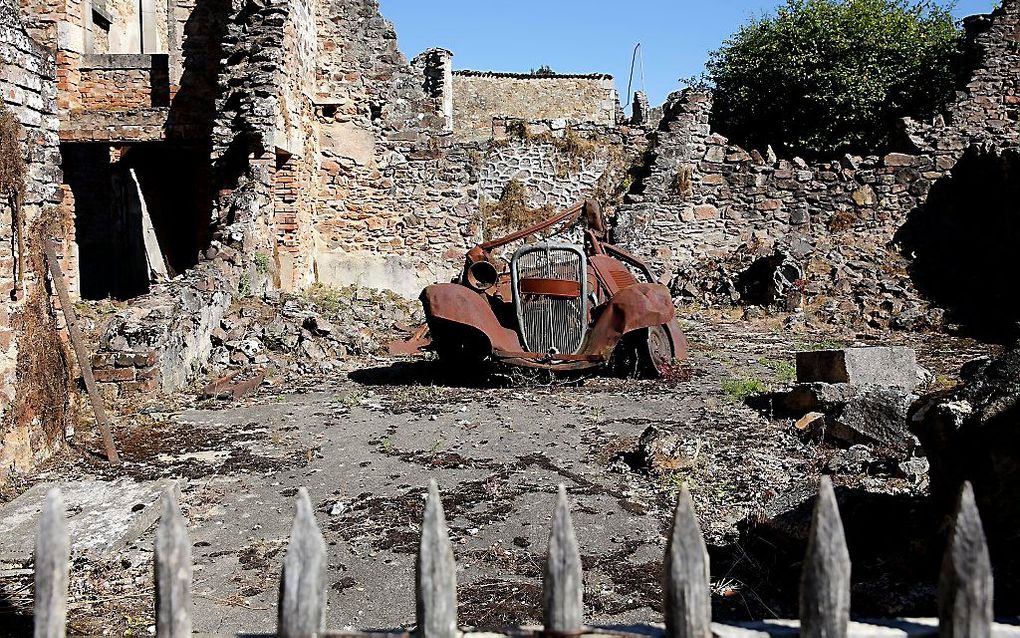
78,343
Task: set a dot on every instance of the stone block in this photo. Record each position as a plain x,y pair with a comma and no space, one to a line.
848,415
900,159
881,366
705,212
103,516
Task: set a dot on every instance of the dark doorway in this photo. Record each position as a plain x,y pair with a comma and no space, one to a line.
963,240
141,214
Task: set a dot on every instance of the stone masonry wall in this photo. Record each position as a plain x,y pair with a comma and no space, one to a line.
987,108
706,201
705,198
480,96
398,196
297,153
33,394
387,171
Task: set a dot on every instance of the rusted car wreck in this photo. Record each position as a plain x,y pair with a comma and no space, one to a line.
553,306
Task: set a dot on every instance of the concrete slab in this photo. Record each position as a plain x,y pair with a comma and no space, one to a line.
883,366
103,517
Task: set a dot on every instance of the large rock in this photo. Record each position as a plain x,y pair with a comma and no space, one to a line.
879,366
855,415
973,434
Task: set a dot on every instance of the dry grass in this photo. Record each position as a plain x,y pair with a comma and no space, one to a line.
512,211
572,144
841,221
44,365
12,156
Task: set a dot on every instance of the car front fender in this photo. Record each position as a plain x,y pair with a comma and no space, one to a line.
457,304
633,308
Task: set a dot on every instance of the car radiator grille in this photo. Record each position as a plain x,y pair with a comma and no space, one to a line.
551,322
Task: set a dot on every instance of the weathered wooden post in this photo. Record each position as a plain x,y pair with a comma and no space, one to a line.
966,586
303,590
52,556
436,573
172,571
825,579
687,599
563,585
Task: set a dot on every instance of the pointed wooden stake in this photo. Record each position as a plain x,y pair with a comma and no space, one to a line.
687,599
563,584
965,586
303,586
173,571
52,556
436,575
825,578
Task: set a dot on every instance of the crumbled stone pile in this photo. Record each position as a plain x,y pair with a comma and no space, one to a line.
314,332
970,434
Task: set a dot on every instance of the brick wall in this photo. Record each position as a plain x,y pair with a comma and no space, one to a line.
480,96
33,393
122,83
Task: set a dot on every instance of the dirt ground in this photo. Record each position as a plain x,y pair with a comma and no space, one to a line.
365,441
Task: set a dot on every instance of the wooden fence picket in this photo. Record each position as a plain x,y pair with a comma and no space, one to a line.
965,587
172,570
825,575
562,587
435,574
965,596
687,600
303,588
52,558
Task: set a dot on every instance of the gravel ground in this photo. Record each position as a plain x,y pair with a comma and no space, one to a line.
366,439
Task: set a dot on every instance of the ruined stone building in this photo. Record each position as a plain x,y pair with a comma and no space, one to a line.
185,152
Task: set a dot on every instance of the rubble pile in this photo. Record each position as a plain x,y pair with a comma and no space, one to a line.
312,332
844,280
970,434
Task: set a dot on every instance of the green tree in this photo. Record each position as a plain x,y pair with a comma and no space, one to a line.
824,76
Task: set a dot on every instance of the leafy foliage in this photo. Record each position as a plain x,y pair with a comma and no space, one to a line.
822,76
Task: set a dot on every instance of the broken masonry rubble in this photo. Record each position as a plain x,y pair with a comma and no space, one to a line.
855,397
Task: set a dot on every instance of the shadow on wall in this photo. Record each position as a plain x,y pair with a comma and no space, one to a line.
963,243
193,110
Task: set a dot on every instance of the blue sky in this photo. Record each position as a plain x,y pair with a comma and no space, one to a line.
583,36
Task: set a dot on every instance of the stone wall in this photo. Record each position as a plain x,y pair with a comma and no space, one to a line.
34,369
705,198
386,171
987,108
703,201
479,96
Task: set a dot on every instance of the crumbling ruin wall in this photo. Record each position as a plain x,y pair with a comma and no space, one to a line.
398,199
987,108
387,177
705,208
247,111
34,368
704,197
263,156
478,96
297,153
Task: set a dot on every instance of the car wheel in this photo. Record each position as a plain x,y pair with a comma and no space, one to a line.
460,349
657,354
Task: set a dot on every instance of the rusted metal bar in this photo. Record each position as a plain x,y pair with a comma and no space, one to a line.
78,343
